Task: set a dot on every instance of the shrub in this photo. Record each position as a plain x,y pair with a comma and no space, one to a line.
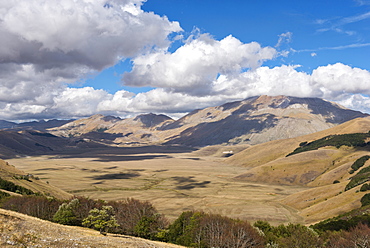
102,220
352,140
74,211
138,218
66,213
361,177
3,194
365,187
359,162
10,186
365,200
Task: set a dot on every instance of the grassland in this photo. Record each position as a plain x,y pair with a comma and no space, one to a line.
173,180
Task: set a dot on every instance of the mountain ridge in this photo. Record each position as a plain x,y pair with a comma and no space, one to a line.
250,121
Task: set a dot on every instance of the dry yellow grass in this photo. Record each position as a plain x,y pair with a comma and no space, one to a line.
18,230
8,171
172,182
272,187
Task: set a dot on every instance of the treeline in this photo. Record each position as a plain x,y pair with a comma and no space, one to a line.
351,140
191,228
10,186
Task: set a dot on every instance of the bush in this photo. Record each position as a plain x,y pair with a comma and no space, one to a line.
138,218
365,200
10,186
74,211
365,187
360,162
352,140
3,194
102,220
361,177
66,213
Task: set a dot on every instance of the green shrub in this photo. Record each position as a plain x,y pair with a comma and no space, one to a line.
352,140
359,162
10,186
66,213
365,187
361,177
3,194
102,220
365,200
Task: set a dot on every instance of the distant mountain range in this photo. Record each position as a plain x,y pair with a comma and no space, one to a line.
35,125
252,121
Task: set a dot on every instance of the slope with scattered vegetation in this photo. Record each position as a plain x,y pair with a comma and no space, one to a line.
333,163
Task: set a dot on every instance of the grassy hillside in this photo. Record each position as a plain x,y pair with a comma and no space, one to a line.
19,230
10,174
333,165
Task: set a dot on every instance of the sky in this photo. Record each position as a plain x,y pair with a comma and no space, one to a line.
75,58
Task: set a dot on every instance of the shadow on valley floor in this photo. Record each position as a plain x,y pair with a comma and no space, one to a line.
107,153
112,176
190,183
117,158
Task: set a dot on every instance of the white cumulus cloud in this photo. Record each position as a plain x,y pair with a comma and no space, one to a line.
47,43
194,67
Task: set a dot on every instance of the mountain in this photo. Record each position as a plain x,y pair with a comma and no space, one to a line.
111,130
33,142
252,121
325,171
257,120
7,124
35,125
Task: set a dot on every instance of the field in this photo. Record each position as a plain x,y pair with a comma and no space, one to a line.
174,179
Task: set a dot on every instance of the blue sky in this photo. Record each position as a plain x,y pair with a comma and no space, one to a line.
322,32
126,57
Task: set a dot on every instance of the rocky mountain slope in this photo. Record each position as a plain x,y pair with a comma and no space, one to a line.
252,121
259,119
325,171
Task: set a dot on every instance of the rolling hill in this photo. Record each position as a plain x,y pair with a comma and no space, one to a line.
10,174
325,171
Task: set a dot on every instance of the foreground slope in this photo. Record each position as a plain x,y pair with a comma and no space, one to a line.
325,170
19,230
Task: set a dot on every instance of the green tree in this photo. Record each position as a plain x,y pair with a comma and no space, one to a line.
66,214
102,220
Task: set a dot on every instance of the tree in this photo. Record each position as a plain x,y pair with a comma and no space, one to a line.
65,214
102,220
135,216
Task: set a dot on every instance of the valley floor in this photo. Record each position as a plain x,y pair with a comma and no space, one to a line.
172,180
